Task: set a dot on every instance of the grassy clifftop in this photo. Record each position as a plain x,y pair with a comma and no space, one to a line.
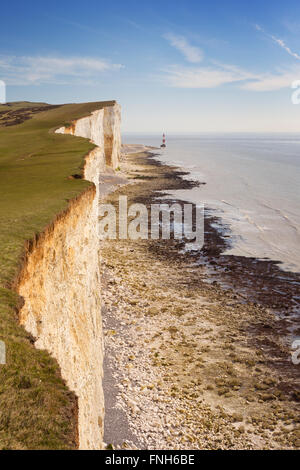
37,411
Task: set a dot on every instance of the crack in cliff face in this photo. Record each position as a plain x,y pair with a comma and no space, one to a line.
60,281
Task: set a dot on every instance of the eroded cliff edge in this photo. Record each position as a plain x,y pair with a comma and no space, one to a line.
102,127
60,281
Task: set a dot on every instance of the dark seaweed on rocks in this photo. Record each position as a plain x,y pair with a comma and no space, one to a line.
216,331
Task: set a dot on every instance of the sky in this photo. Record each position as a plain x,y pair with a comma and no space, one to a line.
179,67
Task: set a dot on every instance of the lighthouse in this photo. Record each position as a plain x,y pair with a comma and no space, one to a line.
163,145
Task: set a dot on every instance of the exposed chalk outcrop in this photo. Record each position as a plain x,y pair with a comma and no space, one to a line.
103,128
60,283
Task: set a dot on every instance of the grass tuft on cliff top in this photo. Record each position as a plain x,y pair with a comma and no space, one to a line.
37,411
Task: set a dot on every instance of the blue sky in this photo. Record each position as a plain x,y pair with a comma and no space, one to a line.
184,66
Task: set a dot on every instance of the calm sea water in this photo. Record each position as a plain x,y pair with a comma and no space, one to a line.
253,182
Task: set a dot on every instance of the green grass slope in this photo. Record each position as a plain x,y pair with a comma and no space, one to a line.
37,411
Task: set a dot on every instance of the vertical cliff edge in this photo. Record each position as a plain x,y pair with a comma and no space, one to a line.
60,281
102,127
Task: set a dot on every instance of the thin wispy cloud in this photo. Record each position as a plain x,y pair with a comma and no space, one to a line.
282,44
216,73
274,81
219,74
30,70
205,77
191,53
278,41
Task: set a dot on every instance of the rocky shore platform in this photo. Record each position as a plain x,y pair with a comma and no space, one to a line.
197,344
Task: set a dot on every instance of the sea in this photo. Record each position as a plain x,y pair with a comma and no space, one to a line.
252,185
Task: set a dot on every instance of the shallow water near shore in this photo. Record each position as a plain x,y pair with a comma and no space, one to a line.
252,183
194,365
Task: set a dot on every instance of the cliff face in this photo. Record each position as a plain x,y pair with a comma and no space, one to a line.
102,127
60,284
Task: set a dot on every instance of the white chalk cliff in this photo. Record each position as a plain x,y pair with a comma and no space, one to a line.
103,128
60,282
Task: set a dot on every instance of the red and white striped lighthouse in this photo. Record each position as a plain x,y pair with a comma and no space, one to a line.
163,145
